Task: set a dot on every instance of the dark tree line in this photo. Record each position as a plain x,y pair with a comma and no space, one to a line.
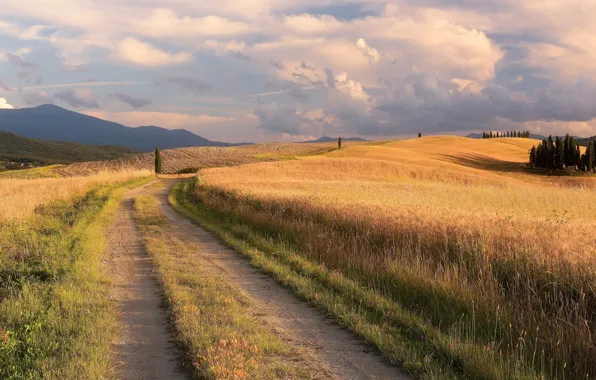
491,134
562,153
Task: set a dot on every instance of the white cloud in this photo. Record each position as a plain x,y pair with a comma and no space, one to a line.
165,23
4,104
368,51
312,24
140,53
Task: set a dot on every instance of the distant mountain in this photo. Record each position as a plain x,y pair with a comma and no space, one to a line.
479,136
50,122
326,139
15,148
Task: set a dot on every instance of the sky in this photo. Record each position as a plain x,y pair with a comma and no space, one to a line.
290,70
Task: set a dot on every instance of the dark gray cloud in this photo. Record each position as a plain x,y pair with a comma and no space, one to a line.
240,55
278,65
304,66
17,60
78,98
24,75
281,120
36,98
39,80
132,101
299,94
197,86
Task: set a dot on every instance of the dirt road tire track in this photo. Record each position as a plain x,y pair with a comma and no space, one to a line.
299,324
145,348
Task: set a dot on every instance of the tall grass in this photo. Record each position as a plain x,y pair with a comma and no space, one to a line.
56,320
506,265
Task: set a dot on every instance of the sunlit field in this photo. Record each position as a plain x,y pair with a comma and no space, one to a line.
456,231
20,197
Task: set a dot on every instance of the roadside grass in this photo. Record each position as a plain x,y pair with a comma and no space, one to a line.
215,322
56,319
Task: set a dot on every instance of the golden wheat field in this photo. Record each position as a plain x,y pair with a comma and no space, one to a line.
445,181
456,229
20,197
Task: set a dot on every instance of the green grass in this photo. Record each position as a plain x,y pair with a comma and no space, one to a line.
56,319
214,321
34,173
405,337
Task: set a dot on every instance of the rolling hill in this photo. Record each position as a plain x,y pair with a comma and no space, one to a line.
327,139
15,148
50,122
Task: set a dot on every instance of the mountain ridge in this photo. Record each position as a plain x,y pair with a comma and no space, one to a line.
51,122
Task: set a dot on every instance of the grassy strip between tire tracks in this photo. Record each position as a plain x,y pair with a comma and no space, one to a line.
215,322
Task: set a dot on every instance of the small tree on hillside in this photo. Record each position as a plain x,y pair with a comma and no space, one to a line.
158,168
533,157
419,135
339,143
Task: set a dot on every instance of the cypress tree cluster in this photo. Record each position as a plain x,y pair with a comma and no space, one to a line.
562,153
519,134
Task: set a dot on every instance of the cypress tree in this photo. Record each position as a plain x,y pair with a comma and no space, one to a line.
577,158
533,157
559,153
593,154
419,135
158,168
491,135
339,143
566,150
588,157
507,133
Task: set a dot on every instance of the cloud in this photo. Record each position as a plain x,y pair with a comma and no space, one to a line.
132,101
36,98
5,87
79,98
4,104
285,120
24,75
165,23
140,53
19,61
278,64
298,94
240,55
344,84
304,66
371,53
197,86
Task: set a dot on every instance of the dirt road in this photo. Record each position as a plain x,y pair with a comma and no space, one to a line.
145,348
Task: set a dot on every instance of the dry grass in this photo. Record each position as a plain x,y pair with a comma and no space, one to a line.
175,160
20,197
454,229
